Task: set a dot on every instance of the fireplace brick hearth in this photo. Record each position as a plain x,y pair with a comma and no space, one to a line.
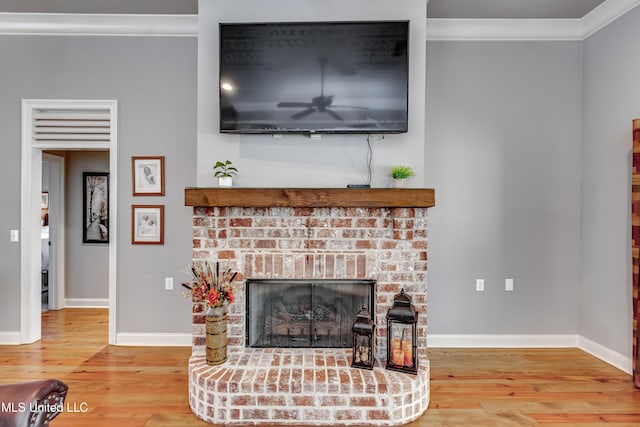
310,386
304,386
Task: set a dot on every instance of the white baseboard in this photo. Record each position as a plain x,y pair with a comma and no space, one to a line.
501,341
125,339
603,353
153,339
10,338
86,303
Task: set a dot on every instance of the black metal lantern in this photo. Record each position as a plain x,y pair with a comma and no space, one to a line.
363,340
402,340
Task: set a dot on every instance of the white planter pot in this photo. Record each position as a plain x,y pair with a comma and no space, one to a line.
225,181
399,182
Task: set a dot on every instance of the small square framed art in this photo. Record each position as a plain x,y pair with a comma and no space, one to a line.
147,224
148,175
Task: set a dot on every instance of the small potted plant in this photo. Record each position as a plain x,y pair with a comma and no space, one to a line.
400,173
225,172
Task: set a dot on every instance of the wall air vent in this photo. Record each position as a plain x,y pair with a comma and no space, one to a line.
85,128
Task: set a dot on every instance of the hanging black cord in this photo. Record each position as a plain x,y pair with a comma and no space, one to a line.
369,159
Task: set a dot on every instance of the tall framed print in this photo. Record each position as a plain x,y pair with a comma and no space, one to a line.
95,205
147,224
148,175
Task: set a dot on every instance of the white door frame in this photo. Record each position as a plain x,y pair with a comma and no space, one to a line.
31,188
56,230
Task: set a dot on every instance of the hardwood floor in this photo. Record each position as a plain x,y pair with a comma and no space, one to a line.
147,386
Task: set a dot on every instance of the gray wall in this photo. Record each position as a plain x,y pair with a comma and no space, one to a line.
86,264
612,101
503,153
9,207
154,81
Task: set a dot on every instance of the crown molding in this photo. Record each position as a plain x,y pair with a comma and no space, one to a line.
529,29
606,13
437,29
503,29
62,24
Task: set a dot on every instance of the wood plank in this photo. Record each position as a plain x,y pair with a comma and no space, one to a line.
147,386
311,197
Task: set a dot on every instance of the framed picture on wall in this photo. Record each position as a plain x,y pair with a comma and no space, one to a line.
147,224
95,204
148,175
44,208
44,200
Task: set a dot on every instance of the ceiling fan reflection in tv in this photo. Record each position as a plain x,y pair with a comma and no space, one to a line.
320,103
269,75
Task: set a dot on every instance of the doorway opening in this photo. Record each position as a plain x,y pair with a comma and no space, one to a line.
60,125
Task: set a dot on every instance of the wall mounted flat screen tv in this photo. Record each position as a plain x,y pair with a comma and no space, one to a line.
314,77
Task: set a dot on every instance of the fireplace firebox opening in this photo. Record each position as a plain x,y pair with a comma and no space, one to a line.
304,313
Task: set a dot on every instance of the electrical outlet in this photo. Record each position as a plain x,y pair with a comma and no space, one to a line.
508,285
14,236
480,285
168,283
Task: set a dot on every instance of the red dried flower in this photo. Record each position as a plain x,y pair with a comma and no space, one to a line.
213,298
209,284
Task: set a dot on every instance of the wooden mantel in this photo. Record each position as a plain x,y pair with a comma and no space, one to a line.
311,197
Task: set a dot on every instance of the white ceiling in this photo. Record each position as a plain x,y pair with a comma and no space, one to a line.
480,9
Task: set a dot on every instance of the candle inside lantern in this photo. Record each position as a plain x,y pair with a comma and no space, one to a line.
407,351
397,358
397,355
395,343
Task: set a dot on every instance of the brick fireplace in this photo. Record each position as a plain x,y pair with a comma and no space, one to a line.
320,234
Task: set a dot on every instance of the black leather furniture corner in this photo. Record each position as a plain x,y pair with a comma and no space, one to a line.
31,404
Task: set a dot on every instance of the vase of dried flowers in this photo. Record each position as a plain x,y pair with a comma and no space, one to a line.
215,288
216,324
